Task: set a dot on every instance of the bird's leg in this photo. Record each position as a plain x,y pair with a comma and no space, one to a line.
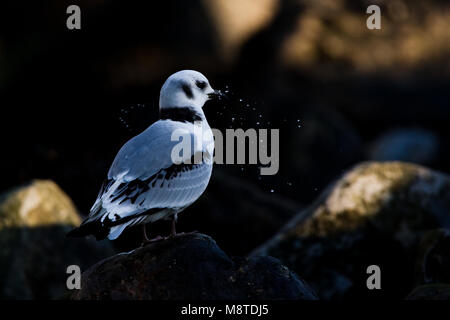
146,240
173,231
144,234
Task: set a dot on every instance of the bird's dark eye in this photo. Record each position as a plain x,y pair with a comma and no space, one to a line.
201,84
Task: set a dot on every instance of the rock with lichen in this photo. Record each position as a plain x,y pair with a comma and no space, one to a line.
375,214
34,252
192,267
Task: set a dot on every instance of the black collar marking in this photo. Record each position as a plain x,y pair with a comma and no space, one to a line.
185,114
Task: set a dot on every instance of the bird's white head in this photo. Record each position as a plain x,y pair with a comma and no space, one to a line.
187,88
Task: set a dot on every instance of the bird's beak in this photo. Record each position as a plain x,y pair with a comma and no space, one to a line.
217,94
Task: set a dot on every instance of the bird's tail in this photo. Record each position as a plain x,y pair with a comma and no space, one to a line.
92,224
90,227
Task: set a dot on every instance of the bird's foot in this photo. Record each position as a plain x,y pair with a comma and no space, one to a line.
155,239
174,235
190,232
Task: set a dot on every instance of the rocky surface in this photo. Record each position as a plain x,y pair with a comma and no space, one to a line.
25,206
34,251
432,269
189,267
431,292
375,214
433,259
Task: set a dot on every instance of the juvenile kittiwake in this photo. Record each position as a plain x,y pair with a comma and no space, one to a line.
144,183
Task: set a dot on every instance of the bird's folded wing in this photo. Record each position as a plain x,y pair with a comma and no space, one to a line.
143,176
173,187
145,154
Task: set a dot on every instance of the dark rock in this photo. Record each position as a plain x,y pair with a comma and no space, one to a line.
35,253
375,214
433,262
430,292
189,267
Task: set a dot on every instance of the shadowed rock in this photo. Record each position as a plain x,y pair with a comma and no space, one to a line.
431,292
189,267
375,214
34,251
433,261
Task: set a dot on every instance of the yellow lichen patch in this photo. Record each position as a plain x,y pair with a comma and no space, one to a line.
40,203
361,194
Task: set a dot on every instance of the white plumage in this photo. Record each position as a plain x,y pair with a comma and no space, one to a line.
144,184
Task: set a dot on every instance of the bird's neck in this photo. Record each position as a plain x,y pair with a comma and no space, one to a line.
182,114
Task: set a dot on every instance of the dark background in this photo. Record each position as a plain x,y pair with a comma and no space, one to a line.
338,92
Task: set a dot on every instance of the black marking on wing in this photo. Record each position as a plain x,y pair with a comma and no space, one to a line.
101,230
93,227
184,114
108,223
130,191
